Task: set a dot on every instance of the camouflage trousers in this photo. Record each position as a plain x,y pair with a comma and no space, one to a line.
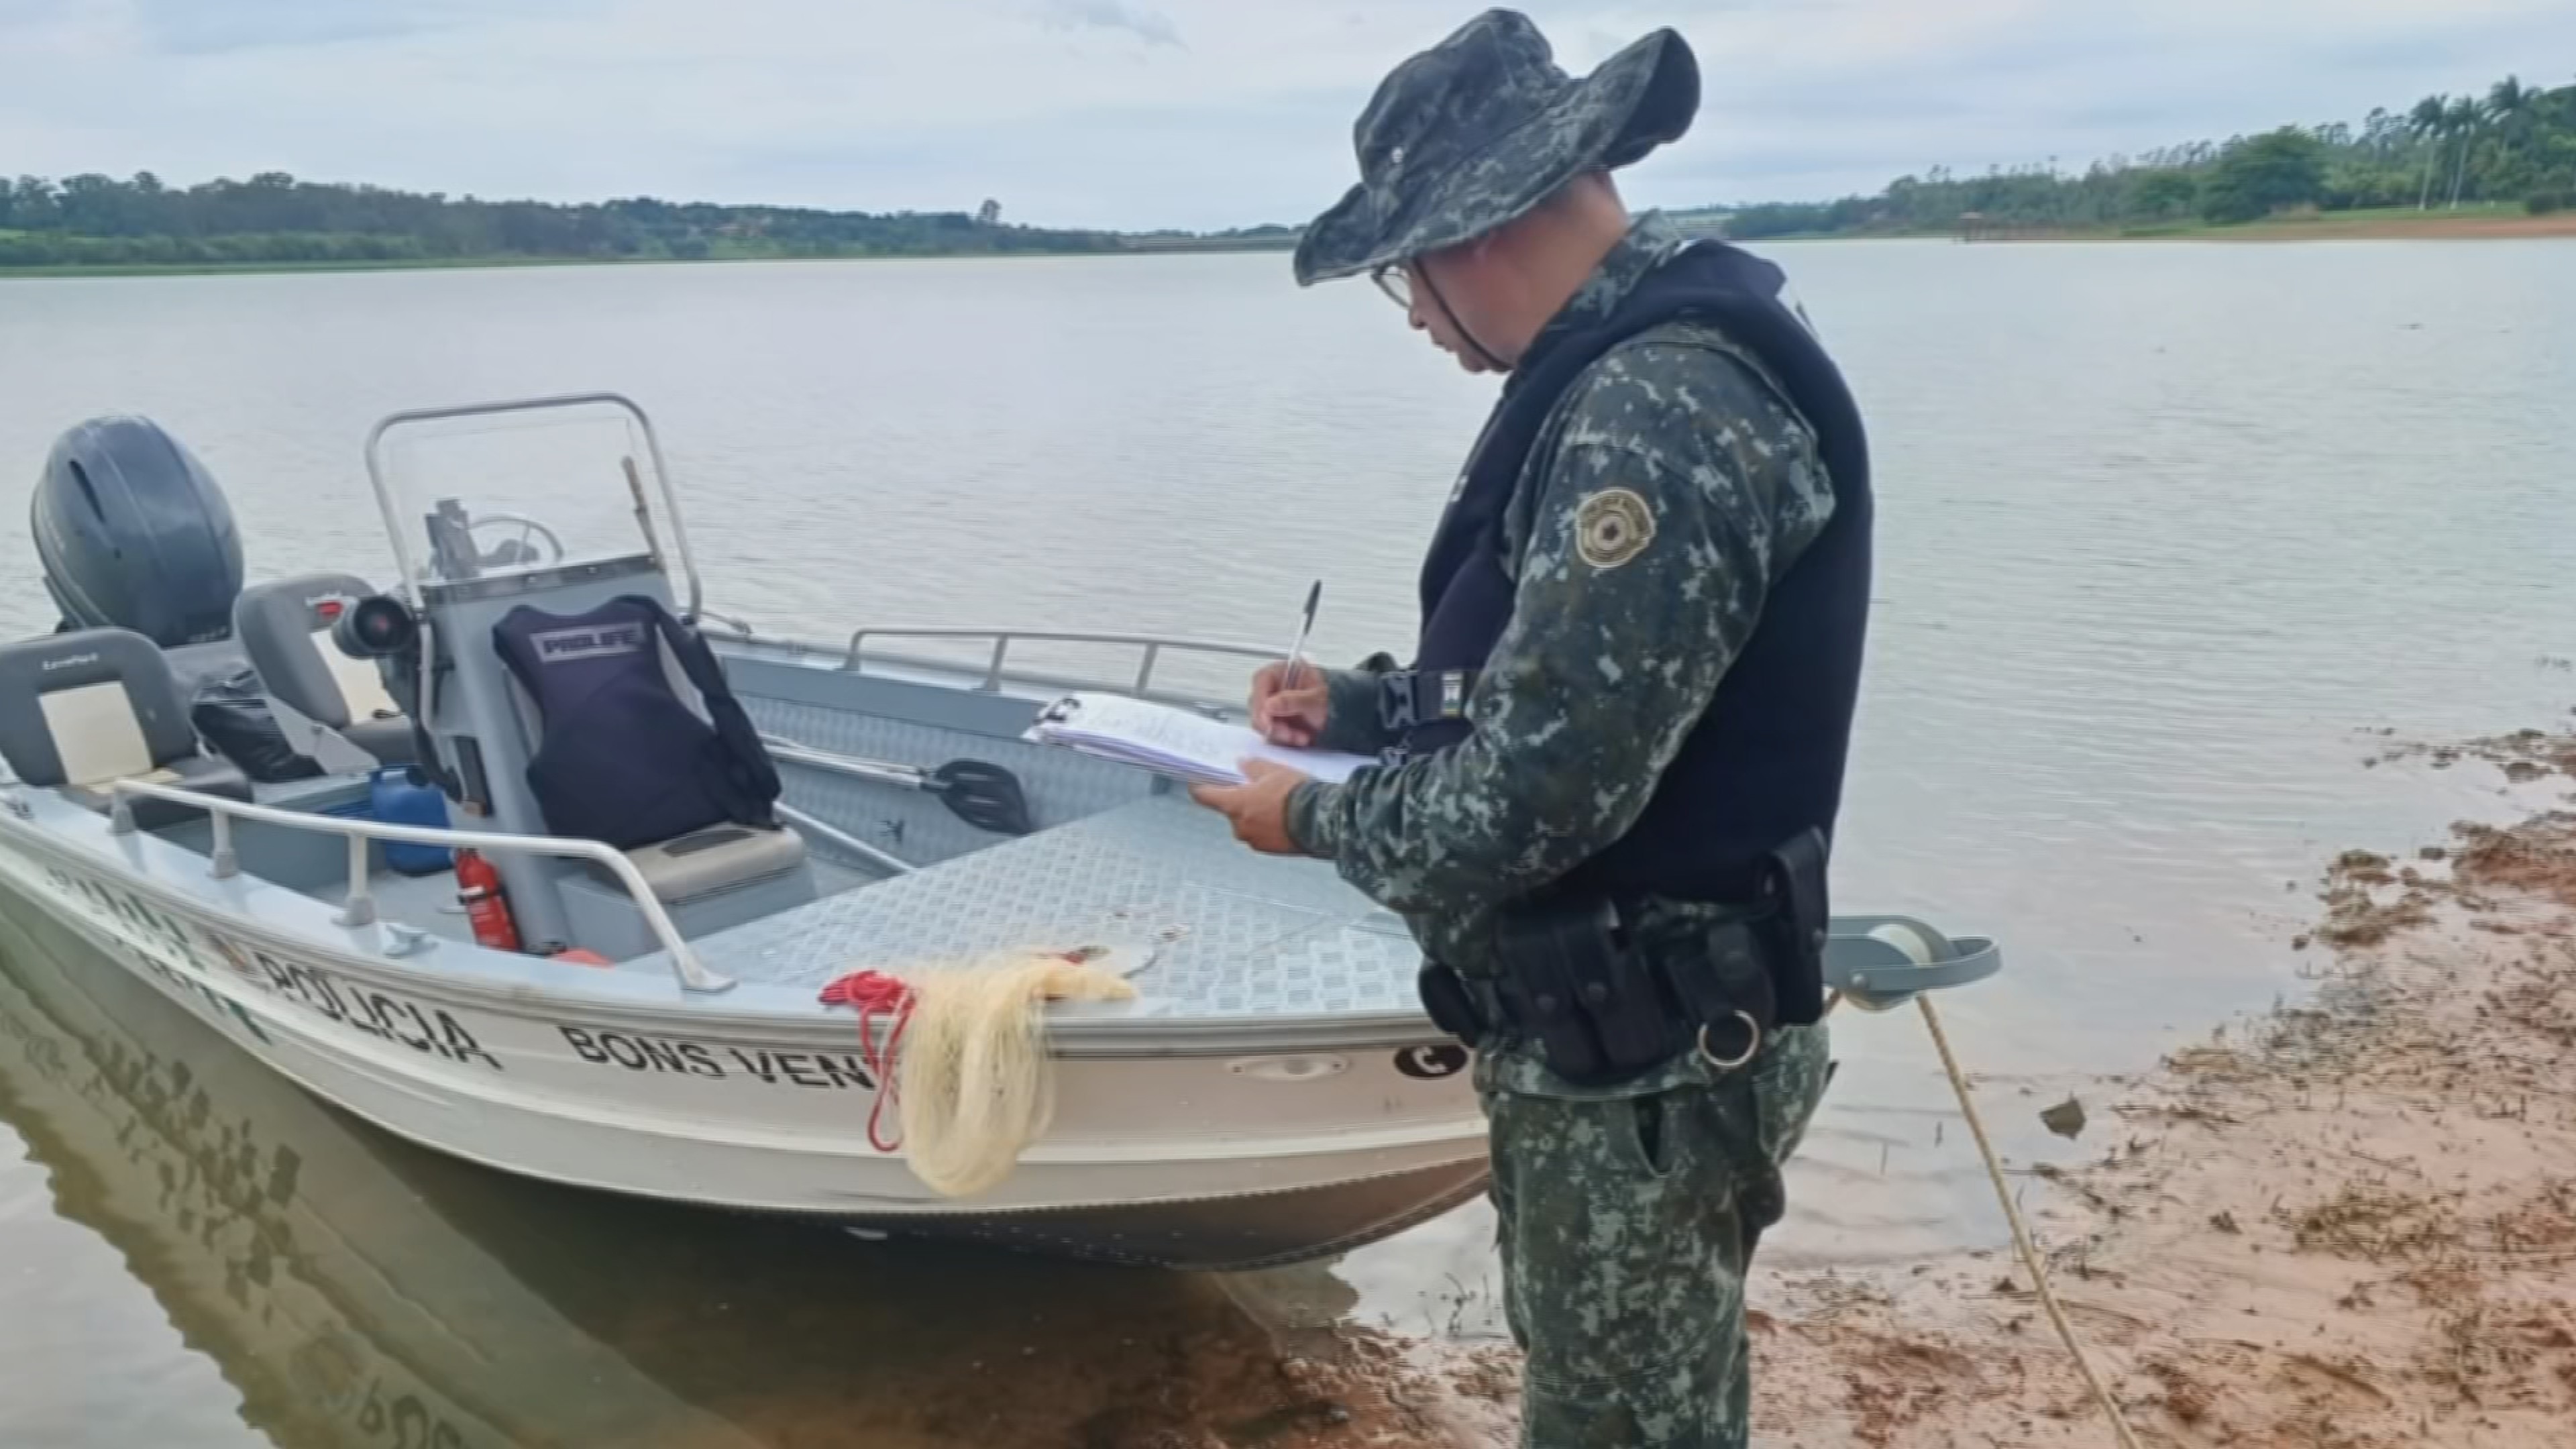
1626,1224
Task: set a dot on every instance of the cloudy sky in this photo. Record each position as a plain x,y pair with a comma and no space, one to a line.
1139,113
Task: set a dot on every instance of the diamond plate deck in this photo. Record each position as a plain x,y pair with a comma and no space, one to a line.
1237,934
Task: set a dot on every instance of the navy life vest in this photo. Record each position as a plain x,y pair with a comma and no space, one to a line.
624,759
1765,761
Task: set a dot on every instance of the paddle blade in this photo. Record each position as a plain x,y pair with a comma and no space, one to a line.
984,795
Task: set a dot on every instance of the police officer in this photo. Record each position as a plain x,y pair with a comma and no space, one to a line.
1609,775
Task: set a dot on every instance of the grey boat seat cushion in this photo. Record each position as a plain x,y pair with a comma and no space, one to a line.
82,709
716,859
284,626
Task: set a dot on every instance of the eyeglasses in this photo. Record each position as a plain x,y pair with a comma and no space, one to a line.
1396,282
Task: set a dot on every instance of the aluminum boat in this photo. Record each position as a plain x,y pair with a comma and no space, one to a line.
1273,1093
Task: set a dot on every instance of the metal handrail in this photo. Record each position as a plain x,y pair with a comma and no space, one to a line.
1003,639
360,907
652,448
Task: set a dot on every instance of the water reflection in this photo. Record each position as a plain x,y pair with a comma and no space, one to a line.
357,1291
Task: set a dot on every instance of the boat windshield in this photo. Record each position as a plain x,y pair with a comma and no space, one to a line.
517,488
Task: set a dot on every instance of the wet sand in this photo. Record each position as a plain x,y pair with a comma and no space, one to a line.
2430,227
2353,1224
2349,1223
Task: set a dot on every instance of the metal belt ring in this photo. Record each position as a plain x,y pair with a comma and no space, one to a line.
1752,1045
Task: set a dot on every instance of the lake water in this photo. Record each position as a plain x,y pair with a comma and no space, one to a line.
2166,532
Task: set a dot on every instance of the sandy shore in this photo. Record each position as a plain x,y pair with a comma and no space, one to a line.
2353,1226
2347,1225
2485,225
2433,226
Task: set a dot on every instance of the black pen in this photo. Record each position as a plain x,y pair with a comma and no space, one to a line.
1288,675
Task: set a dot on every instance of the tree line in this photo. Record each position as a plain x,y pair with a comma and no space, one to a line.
94,220
2513,145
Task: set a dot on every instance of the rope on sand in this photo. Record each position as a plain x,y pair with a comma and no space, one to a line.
2021,1232
1920,950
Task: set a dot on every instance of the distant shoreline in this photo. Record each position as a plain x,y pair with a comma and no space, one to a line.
219,269
2332,227
2485,224
453,264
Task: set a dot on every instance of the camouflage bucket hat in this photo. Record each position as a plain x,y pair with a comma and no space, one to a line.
1480,128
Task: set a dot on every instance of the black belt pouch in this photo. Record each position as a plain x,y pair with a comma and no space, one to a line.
1583,993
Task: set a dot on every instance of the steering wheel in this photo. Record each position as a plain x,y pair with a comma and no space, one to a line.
516,550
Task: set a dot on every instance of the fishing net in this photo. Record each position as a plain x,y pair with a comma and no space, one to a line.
965,1061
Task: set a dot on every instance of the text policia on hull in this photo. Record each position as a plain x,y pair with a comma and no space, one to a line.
530,855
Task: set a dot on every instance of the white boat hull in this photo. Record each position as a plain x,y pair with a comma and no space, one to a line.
1187,1159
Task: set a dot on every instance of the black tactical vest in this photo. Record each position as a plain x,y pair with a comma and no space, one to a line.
1766,760
624,759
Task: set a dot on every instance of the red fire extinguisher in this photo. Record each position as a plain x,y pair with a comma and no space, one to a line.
478,885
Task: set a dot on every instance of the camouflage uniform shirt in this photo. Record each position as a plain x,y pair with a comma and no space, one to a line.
1606,666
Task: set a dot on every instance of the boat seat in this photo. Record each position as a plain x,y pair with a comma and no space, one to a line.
623,687
284,626
716,859
81,709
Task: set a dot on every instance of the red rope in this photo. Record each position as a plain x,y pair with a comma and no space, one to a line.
876,994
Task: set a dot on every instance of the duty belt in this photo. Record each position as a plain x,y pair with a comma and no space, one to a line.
1576,978
1600,1014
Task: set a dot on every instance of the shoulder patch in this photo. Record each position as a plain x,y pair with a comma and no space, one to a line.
1612,527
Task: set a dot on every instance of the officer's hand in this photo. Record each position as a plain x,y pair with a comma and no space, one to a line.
1293,717
1259,807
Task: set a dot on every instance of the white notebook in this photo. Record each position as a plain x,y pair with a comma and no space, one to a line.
1173,741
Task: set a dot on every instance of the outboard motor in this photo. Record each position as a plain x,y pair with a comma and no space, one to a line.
133,533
